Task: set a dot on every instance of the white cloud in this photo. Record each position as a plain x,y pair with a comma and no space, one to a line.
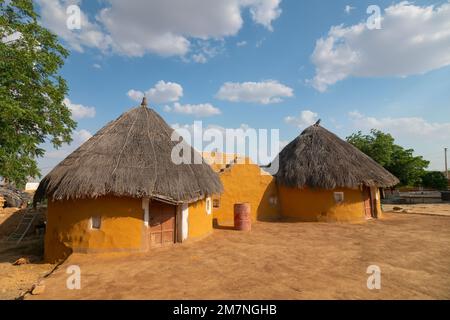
305,119
54,16
413,40
79,111
135,27
199,58
265,92
162,92
241,43
409,127
204,50
264,11
198,110
135,95
349,8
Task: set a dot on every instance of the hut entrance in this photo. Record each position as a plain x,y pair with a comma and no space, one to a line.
162,224
368,204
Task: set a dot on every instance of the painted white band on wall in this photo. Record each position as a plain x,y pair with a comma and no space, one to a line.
208,206
185,222
145,207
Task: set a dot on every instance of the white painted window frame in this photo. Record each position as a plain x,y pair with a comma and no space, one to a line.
91,223
340,195
208,205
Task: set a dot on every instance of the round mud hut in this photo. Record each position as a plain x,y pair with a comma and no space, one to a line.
320,177
121,191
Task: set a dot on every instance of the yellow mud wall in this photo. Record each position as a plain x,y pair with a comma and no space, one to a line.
200,222
246,183
319,205
68,226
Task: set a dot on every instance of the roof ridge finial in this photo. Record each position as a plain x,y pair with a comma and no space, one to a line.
144,102
317,123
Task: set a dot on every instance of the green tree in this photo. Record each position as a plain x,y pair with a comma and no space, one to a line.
435,180
31,91
378,145
399,161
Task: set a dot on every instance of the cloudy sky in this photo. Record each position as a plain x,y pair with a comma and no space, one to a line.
275,64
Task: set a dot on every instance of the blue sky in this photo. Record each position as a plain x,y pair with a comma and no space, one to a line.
396,78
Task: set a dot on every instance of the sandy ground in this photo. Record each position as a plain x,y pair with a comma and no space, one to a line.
282,260
442,209
15,280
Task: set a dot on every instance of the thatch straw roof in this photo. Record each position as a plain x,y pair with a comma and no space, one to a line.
130,156
320,159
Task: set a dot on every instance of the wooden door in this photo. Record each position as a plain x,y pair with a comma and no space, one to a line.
162,224
373,197
368,208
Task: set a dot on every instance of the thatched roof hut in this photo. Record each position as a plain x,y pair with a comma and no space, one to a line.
130,157
321,160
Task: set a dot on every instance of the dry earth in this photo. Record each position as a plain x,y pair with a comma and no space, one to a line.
15,280
283,260
442,209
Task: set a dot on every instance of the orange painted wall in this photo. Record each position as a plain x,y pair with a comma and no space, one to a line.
68,226
319,205
200,222
245,183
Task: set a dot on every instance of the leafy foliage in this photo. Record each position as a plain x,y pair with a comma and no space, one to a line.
435,180
399,161
31,91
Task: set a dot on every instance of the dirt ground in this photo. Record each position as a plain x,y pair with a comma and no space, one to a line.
282,260
442,209
16,280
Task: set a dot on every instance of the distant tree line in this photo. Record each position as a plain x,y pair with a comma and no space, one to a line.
401,162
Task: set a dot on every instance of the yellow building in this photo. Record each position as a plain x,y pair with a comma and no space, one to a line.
122,191
243,181
323,178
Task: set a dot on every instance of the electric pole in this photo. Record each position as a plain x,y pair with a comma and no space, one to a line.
446,168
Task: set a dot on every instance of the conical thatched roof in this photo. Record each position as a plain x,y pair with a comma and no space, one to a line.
130,156
320,159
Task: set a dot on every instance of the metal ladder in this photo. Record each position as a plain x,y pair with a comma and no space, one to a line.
22,228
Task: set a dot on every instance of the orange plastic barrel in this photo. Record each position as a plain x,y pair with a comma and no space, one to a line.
242,217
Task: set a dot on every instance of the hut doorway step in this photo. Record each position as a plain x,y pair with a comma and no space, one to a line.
162,224
369,207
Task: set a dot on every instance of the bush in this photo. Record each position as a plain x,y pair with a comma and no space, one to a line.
435,180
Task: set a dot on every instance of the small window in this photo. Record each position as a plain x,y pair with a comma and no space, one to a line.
338,197
96,222
216,203
208,205
273,201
